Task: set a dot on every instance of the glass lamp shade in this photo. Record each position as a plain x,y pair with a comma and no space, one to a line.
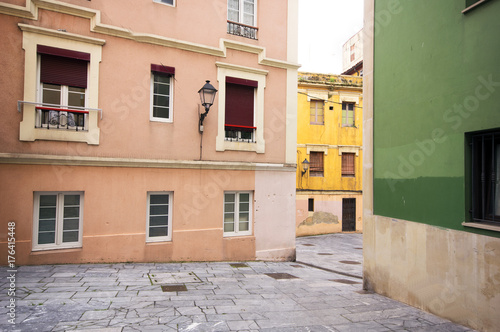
207,94
305,165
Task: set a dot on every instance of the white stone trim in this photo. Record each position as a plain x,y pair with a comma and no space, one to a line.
348,149
248,73
33,36
60,160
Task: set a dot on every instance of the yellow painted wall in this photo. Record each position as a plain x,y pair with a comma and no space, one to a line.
331,137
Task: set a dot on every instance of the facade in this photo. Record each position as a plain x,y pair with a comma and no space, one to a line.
103,156
329,137
432,157
352,55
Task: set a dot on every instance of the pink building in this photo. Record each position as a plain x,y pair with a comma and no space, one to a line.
102,156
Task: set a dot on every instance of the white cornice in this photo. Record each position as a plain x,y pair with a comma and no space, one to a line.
30,11
42,159
60,34
241,68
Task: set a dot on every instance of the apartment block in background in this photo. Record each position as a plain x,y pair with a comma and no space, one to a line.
329,154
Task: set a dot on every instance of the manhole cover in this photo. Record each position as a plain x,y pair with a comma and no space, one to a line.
345,281
308,245
174,288
298,266
350,262
281,276
164,278
324,254
238,265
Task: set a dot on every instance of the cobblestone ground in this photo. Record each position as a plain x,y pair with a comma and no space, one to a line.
224,296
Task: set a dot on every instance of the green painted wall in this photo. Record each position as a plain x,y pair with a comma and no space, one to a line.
436,77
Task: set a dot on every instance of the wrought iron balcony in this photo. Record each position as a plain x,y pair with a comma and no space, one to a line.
242,30
61,118
52,116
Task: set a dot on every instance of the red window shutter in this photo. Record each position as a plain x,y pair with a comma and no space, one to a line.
64,71
242,81
42,49
163,69
239,106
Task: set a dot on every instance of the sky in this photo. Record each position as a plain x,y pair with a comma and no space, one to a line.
324,26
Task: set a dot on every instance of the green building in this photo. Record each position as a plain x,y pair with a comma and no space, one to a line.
431,178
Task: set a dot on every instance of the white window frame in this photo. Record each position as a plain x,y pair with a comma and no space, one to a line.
241,6
169,224
259,144
345,120
236,213
63,102
316,103
165,3
171,103
33,36
59,221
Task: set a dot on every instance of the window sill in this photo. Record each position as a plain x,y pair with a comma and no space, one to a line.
470,8
239,234
158,241
62,249
491,226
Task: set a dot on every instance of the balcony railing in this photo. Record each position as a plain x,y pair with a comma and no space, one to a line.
60,117
242,30
235,133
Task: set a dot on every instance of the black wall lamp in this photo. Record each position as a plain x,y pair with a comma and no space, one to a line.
305,166
207,97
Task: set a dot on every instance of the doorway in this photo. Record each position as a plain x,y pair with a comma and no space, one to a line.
348,214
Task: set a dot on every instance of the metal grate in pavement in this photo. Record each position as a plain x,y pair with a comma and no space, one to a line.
345,281
350,262
281,276
174,288
238,265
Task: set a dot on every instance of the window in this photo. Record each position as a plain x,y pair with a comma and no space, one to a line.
73,78
249,114
159,217
347,114
63,85
239,114
167,2
241,18
485,168
317,112
316,164
241,11
57,220
161,93
310,205
348,168
237,213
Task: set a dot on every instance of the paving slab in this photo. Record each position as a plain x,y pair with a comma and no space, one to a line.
321,291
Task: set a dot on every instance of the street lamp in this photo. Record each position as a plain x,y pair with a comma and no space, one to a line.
305,166
207,97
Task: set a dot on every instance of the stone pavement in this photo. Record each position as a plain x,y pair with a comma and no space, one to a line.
223,296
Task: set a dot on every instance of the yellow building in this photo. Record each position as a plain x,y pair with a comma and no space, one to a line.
329,154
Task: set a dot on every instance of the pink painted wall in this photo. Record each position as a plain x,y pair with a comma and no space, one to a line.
124,85
115,211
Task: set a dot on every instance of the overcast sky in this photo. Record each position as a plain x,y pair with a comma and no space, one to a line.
324,26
